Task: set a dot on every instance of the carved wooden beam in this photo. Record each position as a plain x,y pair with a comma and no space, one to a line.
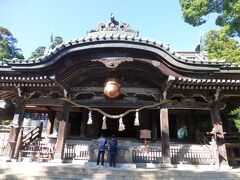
133,90
188,105
64,87
43,102
168,83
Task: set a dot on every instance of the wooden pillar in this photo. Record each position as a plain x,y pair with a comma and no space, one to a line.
83,123
15,128
154,126
218,141
165,140
62,131
50,123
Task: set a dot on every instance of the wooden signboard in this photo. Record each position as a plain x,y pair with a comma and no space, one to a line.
145,134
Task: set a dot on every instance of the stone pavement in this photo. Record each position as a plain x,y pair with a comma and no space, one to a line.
89,171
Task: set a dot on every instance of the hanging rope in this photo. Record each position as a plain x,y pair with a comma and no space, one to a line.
119,115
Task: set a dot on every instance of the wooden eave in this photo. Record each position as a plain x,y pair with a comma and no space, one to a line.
71,63
162,53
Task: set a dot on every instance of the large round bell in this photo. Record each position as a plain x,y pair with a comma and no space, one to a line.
112,88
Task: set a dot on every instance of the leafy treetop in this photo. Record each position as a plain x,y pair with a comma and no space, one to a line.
195,12
219,46
41,49
8,47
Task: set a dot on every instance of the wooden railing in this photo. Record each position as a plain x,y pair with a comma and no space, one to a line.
189,154
233,152
76,151
4,133
232,137
32,135
39,150
179,154
142,154
192,155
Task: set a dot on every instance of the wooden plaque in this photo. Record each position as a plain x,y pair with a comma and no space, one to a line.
145,134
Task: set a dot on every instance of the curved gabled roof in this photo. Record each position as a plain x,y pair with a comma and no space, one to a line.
77,61
115,35
107,40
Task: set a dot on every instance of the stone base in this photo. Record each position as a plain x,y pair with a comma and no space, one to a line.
56,160
79,161
225,167
153,165
167,165
106,164
7,159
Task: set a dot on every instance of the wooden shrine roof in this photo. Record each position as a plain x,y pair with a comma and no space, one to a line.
80,64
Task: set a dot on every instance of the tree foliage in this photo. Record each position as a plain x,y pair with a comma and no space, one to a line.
221,47
195,13
57,40
41,50
38,52
8,47
235,120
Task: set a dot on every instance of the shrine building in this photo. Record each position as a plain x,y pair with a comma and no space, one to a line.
164,107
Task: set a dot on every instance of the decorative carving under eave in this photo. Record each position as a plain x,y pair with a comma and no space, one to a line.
35,94
216,96
188,100
218,105
55,94
21,91
113,62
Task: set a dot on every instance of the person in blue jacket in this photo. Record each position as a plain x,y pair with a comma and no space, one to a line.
101,149
112,151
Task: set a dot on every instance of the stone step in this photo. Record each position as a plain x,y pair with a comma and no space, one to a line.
45,171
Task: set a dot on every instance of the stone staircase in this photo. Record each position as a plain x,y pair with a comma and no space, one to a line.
66,171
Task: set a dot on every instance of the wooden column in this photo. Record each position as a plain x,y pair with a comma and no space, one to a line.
15,128
62,131
218,141
165,140
50,123
154,126
83,123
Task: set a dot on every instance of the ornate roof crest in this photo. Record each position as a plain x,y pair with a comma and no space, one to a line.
112,27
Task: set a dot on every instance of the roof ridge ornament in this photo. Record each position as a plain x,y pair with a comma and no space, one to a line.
113,26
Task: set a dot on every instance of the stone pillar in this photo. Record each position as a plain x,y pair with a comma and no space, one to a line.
62,131
165,140
15,128
218,141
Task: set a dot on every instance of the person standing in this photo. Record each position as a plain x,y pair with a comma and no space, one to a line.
101,149
182,133
112,151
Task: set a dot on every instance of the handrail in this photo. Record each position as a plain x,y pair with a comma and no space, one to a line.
32,135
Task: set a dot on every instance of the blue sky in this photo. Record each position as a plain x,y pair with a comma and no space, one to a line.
32,21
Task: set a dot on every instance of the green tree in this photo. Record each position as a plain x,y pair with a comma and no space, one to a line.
57,40
235,120
8,47
195,13
219,46
38,52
